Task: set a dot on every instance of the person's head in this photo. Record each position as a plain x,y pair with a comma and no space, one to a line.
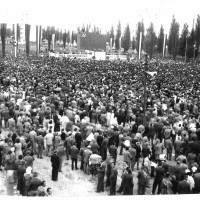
17,140
20,157
43,183
49,191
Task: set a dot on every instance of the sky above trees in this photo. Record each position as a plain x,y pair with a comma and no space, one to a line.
103,13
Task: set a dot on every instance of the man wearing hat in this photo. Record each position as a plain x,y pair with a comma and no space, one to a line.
55,163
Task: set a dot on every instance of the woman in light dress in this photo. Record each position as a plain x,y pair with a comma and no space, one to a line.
18,148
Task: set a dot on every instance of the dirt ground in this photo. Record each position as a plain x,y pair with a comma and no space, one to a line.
71,183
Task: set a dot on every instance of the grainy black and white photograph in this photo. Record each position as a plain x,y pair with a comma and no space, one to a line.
99,98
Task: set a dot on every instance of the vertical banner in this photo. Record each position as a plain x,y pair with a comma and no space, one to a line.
110,43
120,43
27,38
53,41
71,38
164,45
37,48
140,45
15,42
40,38
3,38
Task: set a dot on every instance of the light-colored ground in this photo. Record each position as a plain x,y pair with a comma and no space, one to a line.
71,183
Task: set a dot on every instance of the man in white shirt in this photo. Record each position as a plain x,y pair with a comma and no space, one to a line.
49,142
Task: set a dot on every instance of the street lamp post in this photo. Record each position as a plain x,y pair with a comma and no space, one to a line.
145,89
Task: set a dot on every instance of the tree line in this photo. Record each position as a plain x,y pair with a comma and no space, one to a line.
184,43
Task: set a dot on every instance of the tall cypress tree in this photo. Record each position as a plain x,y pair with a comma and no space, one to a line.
173,38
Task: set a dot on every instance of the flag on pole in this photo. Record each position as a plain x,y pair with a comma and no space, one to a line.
151,73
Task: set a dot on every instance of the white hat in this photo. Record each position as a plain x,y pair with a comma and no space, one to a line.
194,169
28,170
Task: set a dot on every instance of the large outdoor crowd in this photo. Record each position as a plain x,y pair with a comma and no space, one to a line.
92,112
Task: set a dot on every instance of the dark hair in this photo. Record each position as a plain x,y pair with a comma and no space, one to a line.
20,157
48,189
17,140
42,183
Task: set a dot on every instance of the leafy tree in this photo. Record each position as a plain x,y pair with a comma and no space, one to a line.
83,28
50,31
44,34
68,37
190,44
182,40
173,38
140,28
197,33
57,35
160,40
118,35
127,38
78,29
60,35
64,39
133,43
107,36
150,40
94,29
8,32
74,37
112,35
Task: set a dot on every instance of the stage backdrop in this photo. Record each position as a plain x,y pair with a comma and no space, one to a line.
91,41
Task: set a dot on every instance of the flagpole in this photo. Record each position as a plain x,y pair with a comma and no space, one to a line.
140,44
145,90
15,43
164,46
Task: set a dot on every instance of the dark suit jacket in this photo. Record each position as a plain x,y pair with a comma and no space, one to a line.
74,152
183,187
55,161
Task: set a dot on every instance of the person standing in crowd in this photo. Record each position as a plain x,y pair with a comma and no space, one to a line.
40,142
101,175
55,163
74,156
113,178
184,186
158,178
34,184
49,142
128,183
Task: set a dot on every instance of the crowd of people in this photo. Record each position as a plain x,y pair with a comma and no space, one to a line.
92,112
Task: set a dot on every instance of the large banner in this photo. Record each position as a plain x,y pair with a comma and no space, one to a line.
91,41
3,38
27,38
